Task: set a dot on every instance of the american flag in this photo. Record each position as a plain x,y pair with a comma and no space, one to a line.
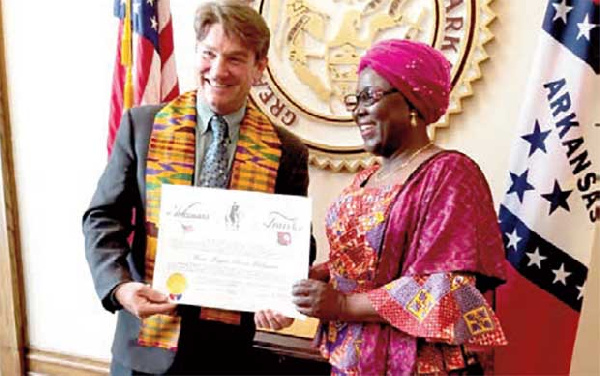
145,48
550,214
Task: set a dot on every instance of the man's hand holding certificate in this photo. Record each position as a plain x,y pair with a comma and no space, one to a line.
233,250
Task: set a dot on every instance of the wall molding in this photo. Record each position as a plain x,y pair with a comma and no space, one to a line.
43,362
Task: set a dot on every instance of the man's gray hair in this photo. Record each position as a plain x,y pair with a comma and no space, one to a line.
238,20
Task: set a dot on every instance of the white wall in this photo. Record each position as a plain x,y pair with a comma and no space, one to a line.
59,61
59,58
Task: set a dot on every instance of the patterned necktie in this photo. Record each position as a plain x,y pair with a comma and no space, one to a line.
214,166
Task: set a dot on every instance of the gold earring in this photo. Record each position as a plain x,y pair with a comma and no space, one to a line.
413,119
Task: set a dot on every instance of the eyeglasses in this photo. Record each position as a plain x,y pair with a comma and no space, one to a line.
368,96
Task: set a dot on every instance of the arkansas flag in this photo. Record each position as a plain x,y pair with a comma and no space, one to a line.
145,71
550,214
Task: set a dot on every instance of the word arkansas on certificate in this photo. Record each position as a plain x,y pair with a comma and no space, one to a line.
232,250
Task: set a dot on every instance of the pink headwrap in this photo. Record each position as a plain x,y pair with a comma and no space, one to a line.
418,71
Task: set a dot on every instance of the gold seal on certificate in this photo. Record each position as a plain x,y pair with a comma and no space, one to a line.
176,284
232,250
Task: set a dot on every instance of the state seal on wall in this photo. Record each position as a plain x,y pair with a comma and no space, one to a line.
315,49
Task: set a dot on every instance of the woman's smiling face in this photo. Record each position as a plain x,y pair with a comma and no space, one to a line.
385,122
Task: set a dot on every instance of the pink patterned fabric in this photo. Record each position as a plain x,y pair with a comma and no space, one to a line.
418,71
435,236
444,306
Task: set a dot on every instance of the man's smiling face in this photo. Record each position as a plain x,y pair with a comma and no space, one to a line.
227,69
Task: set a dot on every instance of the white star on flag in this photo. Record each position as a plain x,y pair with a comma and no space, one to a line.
154,23
562,10
561,275
585,27
513,239
535,258
151,2
580,295
136,7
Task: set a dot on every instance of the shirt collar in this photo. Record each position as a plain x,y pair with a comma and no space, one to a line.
205,114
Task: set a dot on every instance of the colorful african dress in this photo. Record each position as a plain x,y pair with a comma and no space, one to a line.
423,252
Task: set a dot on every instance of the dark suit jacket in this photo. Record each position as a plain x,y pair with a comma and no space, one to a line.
107,225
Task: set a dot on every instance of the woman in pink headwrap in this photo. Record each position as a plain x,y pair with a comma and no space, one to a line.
414,242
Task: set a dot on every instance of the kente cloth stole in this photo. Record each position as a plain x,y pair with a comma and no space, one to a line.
171,158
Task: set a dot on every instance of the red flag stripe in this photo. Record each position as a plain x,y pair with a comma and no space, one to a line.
116,96
169,80
540,330
173,93
144,69
165,41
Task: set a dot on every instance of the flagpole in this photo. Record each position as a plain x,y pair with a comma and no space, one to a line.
126,57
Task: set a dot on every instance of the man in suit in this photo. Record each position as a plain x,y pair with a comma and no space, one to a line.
170,143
